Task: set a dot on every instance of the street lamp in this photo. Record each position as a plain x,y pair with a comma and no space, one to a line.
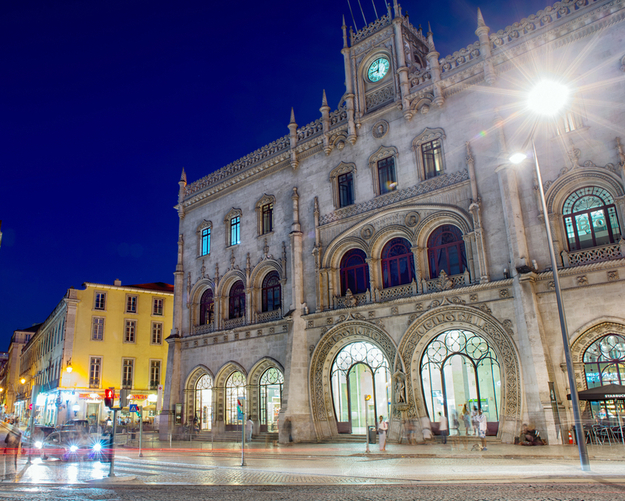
547,98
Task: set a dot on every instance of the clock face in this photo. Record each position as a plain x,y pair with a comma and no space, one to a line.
378,69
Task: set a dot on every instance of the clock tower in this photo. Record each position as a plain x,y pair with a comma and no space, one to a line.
381,59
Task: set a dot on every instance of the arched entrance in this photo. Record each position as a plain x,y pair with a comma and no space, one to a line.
460,374
358,370
270,385
203,416
235,389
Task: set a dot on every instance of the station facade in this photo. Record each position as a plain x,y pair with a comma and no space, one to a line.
389,248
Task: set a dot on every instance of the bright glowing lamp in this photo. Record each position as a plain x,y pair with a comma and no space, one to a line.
73,448
69,369
517,158
76,408
548,97
152,397
22,380
97,447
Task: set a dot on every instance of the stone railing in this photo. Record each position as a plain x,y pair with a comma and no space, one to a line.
460,57
234,322
203,329
549,15
445,282
312,129
350,300
398,292
268,316
594,255
370,29
337,117
424,76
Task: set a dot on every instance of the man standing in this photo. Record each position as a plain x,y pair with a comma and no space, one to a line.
382,429
443,426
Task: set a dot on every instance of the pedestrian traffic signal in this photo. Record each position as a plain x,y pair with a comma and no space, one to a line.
109,397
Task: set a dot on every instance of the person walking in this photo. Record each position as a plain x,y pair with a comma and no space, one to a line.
443,426
480,420
474,419
382,429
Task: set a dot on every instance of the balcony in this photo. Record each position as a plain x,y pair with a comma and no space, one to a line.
231,323
203,329
268,316
593,255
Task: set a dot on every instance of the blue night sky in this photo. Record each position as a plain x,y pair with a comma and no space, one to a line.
102,103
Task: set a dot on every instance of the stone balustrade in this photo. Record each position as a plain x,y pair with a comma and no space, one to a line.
594,255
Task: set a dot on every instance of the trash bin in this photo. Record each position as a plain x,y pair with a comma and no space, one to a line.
372,434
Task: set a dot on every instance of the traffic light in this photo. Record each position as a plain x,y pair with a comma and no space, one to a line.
109,397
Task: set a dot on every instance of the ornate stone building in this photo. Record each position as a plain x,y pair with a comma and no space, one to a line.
390,249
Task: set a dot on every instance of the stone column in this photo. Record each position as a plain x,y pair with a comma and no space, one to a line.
295,402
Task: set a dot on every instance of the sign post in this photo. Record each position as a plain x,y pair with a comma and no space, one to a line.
241,416
139,410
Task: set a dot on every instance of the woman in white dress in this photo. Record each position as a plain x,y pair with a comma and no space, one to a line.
382,429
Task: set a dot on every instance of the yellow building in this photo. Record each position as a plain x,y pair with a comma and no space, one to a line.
99,337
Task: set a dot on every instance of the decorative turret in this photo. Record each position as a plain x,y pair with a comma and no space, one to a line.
325,122
349,89
402,69
293,139
435,69
182,183
485,49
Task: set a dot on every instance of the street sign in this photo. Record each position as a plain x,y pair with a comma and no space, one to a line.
240,401
133,408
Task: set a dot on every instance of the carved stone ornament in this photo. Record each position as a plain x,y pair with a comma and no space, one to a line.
612,276
503,293
582,280
367,232
412,219
380,129
473,297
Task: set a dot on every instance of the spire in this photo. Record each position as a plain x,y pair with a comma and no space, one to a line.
480,18
183,177
292,122
344,28
430,38
324,100
397,8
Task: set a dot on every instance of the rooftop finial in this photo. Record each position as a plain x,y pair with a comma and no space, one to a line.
324,99
183,176
431,38
480,18
292,117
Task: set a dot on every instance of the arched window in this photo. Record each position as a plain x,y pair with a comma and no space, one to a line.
604,364
271,292
207,307
237,300
604,361
271,383
590,218
203,416
446,251
235,388
460,373
397,263
354,272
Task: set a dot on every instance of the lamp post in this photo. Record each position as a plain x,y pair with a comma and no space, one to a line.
547,98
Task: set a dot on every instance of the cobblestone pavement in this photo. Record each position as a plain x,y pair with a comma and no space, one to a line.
445,492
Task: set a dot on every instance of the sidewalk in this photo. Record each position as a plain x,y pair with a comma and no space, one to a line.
451,450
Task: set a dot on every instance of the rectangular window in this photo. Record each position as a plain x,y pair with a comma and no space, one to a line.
267,218
128,366
100,301
206,241
155,374
235,230
157,333
346,189
131,304
95,365
157,306
130,331
97,330
432,158
386,175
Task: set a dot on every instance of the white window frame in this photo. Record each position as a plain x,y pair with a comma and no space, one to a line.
132,378
91,360
93,324
160,372
99,297
130,327
155,301
158,325
129,298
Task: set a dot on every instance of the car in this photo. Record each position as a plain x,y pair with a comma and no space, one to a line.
39,434
70,446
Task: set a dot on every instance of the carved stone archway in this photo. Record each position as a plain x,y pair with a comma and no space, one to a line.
438,320
333,341
253,384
